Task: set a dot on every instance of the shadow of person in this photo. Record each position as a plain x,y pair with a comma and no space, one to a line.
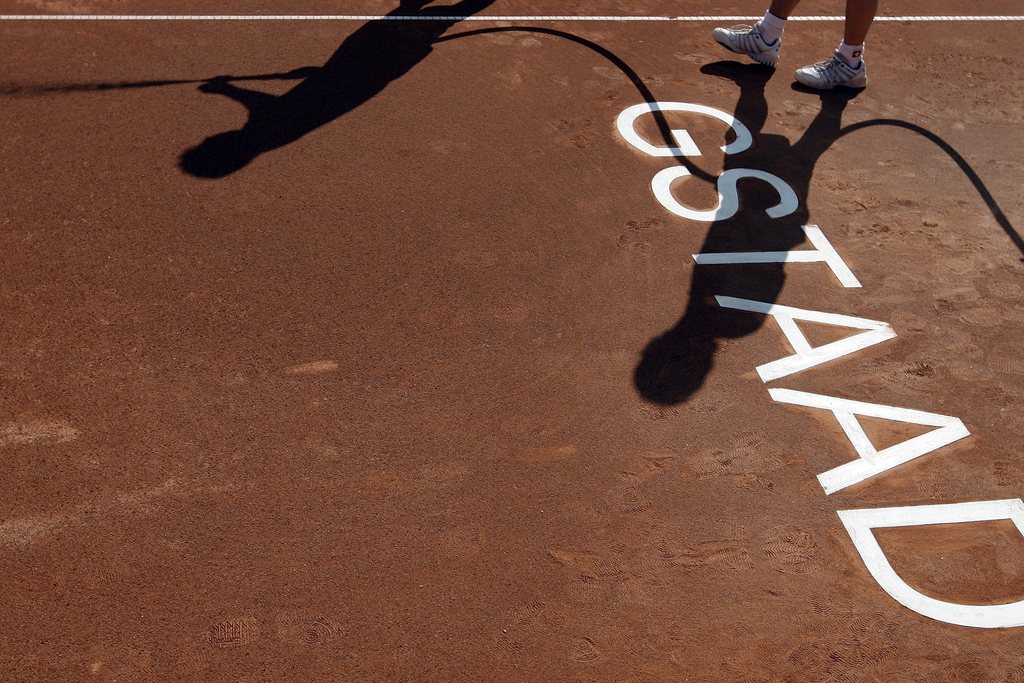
378,53
675,364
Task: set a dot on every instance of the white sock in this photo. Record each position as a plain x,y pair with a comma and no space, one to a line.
771,27
851,54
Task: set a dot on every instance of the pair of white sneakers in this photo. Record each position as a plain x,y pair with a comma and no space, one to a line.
827,75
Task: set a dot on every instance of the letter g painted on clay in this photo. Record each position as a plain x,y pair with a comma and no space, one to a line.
685,146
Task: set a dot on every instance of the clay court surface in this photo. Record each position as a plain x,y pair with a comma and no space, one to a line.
431,388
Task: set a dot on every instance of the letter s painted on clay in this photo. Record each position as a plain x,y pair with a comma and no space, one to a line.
728,194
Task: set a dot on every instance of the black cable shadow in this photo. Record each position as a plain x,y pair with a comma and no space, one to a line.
101,86
967,169
664,129
377,53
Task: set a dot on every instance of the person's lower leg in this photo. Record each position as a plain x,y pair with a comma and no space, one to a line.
783,8
859,16
774,22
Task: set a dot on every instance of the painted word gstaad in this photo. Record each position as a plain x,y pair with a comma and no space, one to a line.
870,461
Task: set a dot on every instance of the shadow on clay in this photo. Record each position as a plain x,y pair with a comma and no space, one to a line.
379,52
674,365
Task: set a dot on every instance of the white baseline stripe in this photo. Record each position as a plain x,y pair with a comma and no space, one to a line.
519,18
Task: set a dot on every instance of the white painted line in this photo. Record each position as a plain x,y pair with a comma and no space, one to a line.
873,461
806,356
957,18
511,18
794,335
831,256
802,398
802,314
823,253
859,524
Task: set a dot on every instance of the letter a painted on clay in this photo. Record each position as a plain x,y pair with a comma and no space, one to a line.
807,356
873,461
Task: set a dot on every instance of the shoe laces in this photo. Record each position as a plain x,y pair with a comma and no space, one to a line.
833,66
748,36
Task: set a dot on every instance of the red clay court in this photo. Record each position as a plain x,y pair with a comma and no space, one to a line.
511,341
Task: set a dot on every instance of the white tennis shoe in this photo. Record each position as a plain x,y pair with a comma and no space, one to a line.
833,73
747,40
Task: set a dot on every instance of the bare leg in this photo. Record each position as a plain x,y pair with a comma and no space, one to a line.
783,8
859,15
